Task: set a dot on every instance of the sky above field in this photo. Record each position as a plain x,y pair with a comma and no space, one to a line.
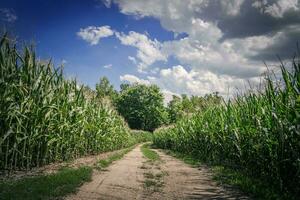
189,47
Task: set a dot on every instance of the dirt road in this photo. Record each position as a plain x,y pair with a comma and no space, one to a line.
134,177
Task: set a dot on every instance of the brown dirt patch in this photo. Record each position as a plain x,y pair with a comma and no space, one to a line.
122,180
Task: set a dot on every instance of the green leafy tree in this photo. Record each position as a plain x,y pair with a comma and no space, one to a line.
180,107
175,109
124,86
105,89
142,106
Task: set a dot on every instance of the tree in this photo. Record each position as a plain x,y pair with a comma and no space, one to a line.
105,89
185,106
142,106
175,109
124,86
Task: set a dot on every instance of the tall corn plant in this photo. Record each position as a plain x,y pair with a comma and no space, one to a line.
258,132
46,118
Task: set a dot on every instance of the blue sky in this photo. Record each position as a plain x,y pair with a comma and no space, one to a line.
191,47
52,27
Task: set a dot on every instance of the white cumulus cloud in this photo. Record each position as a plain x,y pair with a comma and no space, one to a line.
178,80
148,51
93,34
232,7
210,57
277,8
134,79
132,59
108,66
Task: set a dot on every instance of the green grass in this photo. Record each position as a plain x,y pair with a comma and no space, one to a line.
186,158
157,176
148,153
153,182
102,164
150,183
53,186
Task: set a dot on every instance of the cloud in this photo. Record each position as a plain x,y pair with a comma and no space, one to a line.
178,80
150,80
258,18
132,59
204,24
198,82
278,8
107,3
8,15
221,59
168,96
223,46
134,79
174,15
109,66
232,7
93,34
239,18
268,48
63,61
148,51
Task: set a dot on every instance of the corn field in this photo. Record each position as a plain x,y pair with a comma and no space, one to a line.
45,118
258,132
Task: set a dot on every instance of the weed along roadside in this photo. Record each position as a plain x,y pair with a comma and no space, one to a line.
102,164
52,186
149,154
153,176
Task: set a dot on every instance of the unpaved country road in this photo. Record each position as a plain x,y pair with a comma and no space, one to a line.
122,180
185,182
126,179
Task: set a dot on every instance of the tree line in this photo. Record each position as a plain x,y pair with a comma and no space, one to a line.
142,106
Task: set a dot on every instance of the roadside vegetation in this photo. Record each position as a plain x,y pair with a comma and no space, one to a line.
148,153
52,186
141,136
102,164
153,175
256,133
232,177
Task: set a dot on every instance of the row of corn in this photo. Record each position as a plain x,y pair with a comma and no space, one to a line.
258,132
46,118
